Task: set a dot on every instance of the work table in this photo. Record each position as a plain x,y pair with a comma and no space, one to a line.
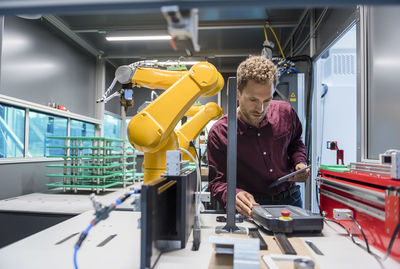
123,250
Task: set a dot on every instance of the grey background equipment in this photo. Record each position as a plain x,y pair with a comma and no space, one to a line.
291,89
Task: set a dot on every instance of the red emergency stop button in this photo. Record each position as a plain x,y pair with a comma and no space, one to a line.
285,213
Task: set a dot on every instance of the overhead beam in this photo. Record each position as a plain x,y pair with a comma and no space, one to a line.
302,16
14,7
203,26
60,25
206,54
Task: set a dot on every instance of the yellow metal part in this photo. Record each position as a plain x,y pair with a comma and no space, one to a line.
193,110
156,78
192,128
154,163
152,130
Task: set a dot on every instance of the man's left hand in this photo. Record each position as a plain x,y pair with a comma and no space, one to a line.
302,177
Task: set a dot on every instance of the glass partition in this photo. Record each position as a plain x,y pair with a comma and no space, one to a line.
41,126
12,131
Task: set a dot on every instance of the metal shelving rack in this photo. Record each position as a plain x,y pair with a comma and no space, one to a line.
94,163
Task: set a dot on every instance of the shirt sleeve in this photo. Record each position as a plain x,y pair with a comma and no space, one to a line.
296,148
216,152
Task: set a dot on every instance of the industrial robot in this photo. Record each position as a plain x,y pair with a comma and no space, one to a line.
152,129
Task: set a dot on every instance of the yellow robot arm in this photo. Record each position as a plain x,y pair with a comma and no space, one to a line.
156,78
193,110
192,128
149,129
152,129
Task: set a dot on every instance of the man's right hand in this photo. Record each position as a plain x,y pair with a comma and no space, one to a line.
244,203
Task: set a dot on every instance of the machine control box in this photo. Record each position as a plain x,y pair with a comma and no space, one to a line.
287,219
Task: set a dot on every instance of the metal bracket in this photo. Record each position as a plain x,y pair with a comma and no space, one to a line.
392,210
246,251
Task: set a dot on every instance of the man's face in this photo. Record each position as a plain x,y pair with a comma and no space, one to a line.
254,101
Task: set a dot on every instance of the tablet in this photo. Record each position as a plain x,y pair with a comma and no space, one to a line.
286,177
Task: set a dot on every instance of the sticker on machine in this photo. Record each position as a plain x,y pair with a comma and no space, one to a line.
292,97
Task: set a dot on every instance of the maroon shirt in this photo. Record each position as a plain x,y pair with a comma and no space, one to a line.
263,154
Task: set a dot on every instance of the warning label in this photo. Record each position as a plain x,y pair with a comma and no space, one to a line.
292,97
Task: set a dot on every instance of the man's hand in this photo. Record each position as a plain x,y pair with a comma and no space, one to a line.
302,177
244,203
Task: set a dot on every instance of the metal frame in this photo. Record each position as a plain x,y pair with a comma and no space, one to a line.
99,109
364,25
41,108
316,106
26,133
11,7
374,197
1,39
231,156
371,211
230,226
60,25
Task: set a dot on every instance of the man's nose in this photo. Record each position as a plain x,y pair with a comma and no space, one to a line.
260,107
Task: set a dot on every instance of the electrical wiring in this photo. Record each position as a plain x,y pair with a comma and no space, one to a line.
361,230
389,249
196,224
307,39
277,40
316,195
286,71
348,233
341,225
153,94
198,188
101,213
265,31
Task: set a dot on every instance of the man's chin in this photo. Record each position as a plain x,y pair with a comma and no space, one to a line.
255,123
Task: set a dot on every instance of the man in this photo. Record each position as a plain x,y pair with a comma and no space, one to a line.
269,143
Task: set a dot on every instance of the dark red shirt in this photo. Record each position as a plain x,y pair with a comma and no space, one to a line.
263,154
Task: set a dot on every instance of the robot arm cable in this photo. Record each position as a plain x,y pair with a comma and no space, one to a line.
104,98
101,213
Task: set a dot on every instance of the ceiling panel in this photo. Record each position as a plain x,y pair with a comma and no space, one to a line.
226,35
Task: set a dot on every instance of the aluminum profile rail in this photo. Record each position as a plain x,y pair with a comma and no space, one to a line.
371,168
369,210
369,196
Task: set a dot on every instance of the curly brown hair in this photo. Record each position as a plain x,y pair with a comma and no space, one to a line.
256,68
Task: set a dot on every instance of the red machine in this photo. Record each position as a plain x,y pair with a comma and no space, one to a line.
370,193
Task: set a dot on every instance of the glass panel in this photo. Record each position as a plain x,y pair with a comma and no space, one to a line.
12,131
336,89
112,126
81,128
40,127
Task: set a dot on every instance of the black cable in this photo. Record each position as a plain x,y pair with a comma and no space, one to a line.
392,241
351,235
341,225
191,144
316,195
362,232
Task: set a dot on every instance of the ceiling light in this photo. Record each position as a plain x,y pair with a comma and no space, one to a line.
178,62
138,38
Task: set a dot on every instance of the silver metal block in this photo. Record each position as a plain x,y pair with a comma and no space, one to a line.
246,251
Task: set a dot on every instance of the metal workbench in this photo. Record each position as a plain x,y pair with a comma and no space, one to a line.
40,250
